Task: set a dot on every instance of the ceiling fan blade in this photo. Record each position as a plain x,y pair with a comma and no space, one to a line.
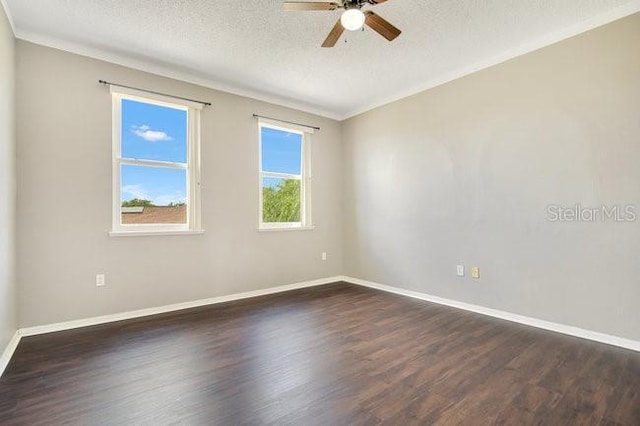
381,26
374,2
334,35
292,6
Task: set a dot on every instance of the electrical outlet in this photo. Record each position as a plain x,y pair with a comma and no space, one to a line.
460,270
324,255
475,272
100,280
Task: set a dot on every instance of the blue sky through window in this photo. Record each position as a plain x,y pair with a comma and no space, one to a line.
153,132
158,184
281,153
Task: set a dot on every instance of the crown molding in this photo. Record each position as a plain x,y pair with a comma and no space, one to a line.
588,24
7,12
166,70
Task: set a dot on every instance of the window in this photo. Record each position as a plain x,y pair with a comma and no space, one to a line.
156,165
285,178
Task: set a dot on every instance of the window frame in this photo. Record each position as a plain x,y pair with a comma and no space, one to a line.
191,167
304,177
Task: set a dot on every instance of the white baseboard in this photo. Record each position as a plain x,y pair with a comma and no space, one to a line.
68,325
8,351
521,319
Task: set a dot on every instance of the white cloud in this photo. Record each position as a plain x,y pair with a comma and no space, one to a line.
149,135
135,191
164,199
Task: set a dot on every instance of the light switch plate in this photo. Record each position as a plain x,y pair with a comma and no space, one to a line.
460,270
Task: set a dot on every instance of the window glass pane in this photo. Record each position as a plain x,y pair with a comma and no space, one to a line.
153,195
281,151
280,200
152,132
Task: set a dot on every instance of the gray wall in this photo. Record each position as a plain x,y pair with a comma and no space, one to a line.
64,205
463,173
8,317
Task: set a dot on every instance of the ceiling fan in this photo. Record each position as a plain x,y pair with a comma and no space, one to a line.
352,19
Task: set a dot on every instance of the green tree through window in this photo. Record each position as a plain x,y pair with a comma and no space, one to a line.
137,202
281,202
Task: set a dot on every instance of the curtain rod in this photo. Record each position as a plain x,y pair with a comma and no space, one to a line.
285,121
155,93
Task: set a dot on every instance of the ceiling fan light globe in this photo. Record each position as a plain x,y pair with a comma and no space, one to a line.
352,19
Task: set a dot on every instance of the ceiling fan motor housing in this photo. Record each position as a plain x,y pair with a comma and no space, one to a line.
353,18
357,4
351,4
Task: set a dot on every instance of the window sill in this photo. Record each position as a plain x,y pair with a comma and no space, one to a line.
298,228
155,233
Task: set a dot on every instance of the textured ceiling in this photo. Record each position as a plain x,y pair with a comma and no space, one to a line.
253,47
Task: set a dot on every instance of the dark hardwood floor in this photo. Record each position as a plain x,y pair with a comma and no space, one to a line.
332,355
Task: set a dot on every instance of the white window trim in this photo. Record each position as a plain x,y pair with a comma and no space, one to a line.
154,233
305,179
192,167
